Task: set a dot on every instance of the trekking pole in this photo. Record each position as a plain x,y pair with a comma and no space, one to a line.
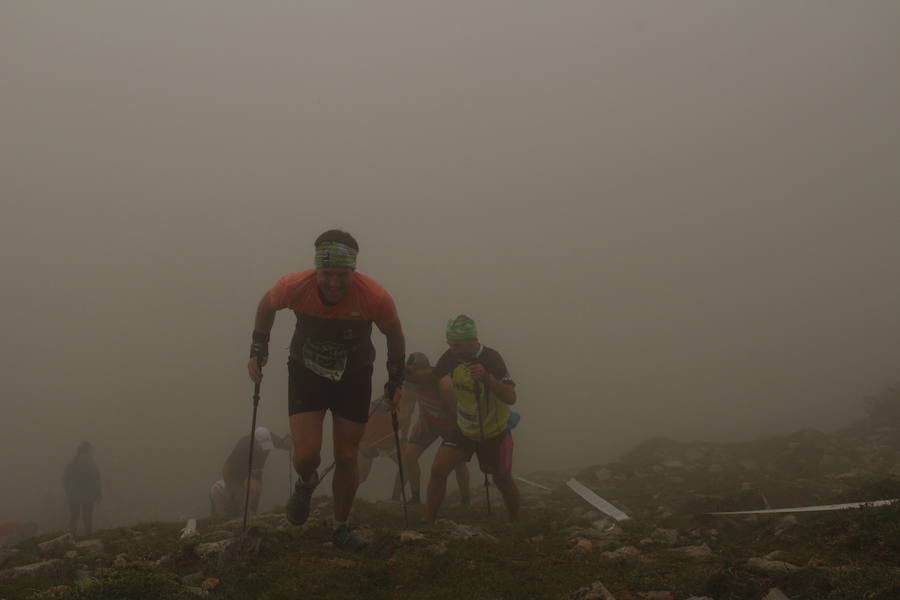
395,423
487,485
250,464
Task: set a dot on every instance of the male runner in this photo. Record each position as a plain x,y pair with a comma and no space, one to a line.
330,366
477,378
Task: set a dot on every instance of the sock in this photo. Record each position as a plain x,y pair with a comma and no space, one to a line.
338,524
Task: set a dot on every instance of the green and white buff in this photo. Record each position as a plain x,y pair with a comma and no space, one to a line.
334,254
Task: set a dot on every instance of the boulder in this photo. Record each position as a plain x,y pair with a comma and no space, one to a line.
465,532
91,546
44,568
410,536
622,553
58,544
596,591
699,552
761,565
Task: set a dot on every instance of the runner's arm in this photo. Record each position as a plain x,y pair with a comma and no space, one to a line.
262,326
396,348
396,342
505,391
265,315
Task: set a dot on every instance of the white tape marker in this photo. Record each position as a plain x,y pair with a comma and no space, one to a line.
810,508
596,501
537,485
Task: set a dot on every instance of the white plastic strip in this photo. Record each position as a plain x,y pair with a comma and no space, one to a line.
810,508
537,485
596,501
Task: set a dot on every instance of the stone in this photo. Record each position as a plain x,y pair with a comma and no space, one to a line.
661,595
437,549
775,594
465,532
667,536
57,544
816,563
787,522
211,548
622,553
71,554
597,591
39,569
583,545
700,552
91,546
120,561
210,583
776,555
410,536
762,565
193,578
197,591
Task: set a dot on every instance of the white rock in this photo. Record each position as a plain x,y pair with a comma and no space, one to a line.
771,566
597,591
38,569
60,543
464,532
212,548
91,546
775,594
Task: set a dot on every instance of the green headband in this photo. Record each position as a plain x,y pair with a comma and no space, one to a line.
334,254
461,328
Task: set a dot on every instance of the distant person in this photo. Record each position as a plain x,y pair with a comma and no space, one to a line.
330,367
81,480
378,439
437,419
234,473
476,377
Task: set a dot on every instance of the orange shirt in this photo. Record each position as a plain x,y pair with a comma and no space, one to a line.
334,339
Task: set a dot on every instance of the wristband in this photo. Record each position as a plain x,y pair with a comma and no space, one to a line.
261,336
396,373
259,351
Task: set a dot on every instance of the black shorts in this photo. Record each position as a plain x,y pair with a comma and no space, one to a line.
494,454
347,398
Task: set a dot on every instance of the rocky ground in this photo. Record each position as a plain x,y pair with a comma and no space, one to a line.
562,548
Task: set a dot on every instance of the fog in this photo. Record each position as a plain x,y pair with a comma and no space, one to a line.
672,219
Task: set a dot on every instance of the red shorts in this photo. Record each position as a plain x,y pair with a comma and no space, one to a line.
494,454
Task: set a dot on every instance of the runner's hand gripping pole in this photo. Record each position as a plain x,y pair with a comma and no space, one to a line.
487,485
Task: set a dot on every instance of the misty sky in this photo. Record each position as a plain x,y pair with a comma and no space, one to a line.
675,219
